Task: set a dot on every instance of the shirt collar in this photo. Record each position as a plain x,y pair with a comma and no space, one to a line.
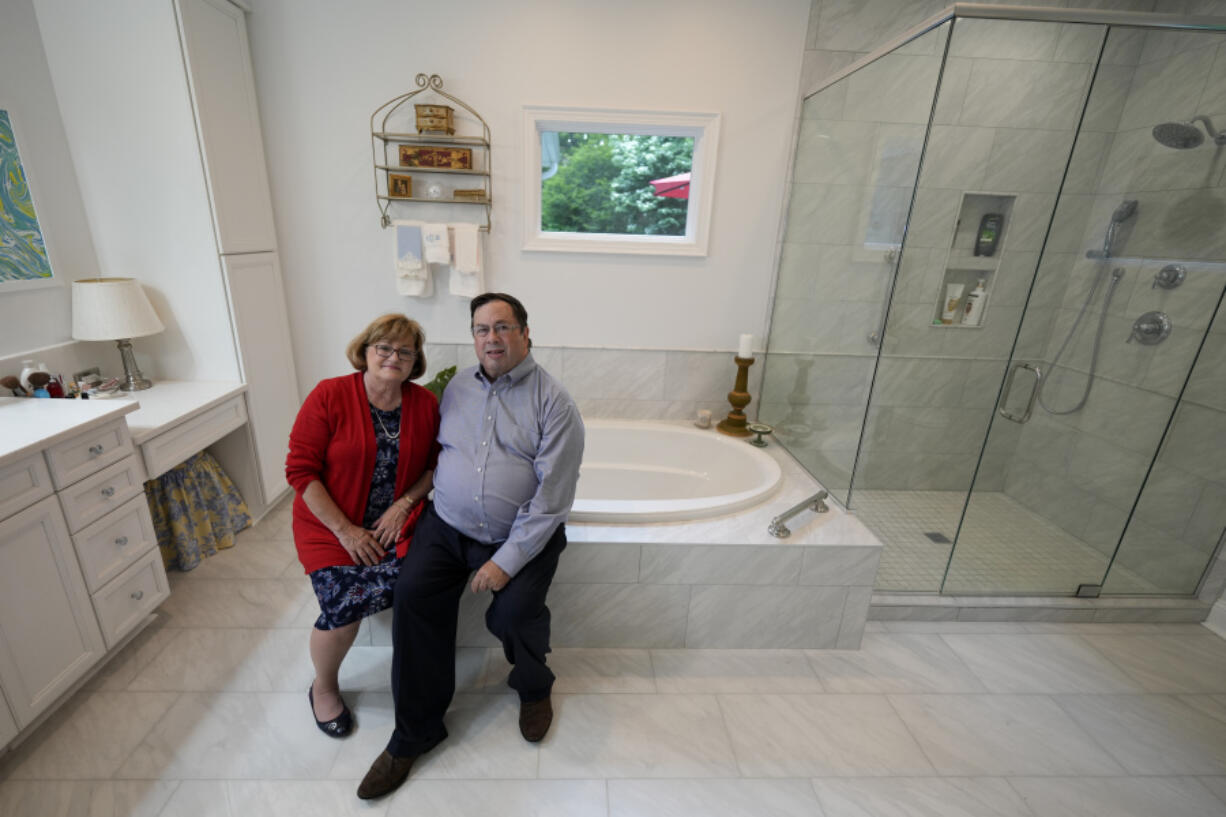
522,370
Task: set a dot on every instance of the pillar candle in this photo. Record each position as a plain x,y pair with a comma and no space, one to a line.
746,347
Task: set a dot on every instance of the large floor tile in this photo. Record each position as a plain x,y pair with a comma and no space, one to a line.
711,798
711,671
89,737
1118,797
1217,785
816,735
229,660
505,798
212,603
582,670
1039,663
375,717
636,736
240,736
85,798
894,663
250,558
1001,735
1162,663
122,667
919,797
270,798
1152,734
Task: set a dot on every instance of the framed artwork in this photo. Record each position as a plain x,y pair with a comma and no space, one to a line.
399,186
23,254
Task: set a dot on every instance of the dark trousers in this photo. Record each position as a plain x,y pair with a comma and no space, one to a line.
433,576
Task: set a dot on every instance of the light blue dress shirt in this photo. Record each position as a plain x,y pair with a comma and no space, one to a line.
510,460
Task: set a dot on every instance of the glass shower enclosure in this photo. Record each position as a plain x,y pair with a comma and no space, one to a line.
997,332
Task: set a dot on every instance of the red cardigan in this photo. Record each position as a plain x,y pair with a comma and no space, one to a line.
333,441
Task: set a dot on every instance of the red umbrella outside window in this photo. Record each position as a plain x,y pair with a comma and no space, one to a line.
673,187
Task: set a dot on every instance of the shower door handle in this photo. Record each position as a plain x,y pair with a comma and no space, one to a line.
1034,393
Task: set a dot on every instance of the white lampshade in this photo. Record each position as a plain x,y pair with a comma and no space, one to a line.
112,309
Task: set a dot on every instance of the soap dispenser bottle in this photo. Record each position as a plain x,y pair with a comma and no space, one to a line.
974,305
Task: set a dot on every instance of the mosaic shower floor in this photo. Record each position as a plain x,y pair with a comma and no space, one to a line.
1005,548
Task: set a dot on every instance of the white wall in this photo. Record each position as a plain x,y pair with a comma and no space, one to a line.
33,318
321,69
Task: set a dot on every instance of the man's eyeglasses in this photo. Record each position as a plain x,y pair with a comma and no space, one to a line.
499,329
404,353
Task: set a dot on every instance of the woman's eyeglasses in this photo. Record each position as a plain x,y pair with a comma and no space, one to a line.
404,353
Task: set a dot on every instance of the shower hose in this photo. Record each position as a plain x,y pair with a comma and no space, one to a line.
1116,275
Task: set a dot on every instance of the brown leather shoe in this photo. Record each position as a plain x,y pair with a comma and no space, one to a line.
385,775
534,719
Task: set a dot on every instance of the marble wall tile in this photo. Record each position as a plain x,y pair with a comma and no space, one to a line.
957,157
603,563
1213,99
918,382
1120,796
1005,40
799,266
933,218
1208,520
1109,472
1018,94
613,373
1079,42
895,88
1169,499
1196,440
619,615
758,617
1107,98
1031,216
862,26
896,155
1165,89
952,92
813,379
823,214
835,565
834,152
817,66
703,565
826,103
855,616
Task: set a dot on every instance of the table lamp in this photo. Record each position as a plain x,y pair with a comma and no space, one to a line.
115,309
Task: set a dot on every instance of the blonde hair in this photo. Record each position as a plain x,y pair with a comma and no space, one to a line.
388,327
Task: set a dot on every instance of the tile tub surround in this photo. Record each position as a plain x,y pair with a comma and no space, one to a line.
720,582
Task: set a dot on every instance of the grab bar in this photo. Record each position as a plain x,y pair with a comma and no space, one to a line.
1034,393
780,530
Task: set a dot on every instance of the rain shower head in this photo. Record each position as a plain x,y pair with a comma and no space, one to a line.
1185,135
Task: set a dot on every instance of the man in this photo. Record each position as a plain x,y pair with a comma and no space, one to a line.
511,441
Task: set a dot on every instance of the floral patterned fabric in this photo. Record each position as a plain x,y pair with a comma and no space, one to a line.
350,593
196,511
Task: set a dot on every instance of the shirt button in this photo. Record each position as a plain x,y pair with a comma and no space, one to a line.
490,417
483,442
476,499
481,524
478,470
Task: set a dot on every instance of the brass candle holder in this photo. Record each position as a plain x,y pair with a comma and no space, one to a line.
734,423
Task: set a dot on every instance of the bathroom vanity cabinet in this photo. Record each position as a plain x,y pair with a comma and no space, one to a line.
79,565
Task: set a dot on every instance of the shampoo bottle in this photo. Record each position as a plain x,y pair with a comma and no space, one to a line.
974,305
953,294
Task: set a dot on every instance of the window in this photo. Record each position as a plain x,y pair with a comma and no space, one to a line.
618,181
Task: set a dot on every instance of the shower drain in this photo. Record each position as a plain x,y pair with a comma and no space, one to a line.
939,538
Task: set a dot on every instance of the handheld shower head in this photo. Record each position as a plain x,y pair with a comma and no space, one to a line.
1126,210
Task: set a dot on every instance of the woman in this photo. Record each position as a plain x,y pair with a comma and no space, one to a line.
361,461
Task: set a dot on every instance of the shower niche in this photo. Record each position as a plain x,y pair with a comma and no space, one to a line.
980,231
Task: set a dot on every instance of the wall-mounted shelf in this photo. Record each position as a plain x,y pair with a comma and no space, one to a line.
963,267
387,156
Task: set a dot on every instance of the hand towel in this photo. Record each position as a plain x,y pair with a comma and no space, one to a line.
467,279
435,238
412,276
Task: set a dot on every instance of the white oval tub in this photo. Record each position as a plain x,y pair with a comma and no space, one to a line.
637,471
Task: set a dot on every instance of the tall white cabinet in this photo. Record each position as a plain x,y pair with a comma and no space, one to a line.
159,105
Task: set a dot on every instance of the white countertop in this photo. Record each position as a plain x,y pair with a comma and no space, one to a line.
29,424
170,402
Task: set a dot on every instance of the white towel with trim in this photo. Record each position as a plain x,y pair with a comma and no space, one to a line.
467,279
412,274
437,243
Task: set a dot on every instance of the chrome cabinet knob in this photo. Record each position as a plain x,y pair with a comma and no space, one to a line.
138,595
121,541
95,450
108,491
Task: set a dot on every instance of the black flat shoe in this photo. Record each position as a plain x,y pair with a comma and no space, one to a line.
338,727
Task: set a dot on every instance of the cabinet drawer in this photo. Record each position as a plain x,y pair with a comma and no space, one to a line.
115,541
123,603
78,457
170,448
95,496
23,483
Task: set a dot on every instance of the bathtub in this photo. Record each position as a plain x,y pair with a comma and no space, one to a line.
636,471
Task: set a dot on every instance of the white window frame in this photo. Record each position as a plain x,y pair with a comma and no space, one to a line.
702,127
